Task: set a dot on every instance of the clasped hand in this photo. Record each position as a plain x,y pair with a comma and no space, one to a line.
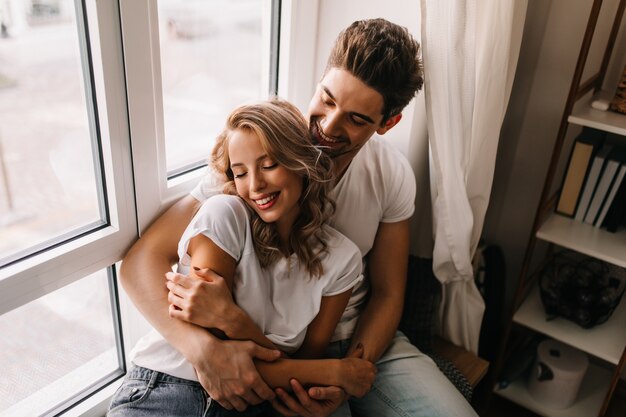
206,302
227,373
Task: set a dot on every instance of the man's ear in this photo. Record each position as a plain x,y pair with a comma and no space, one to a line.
391,122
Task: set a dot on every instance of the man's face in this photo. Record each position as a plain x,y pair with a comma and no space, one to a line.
343,114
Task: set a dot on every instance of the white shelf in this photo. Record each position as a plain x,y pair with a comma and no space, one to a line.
605,341
585,115
591,395
585,238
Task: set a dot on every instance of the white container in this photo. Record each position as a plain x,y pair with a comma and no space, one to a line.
557,374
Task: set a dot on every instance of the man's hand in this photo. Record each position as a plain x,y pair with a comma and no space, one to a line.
206,302
326,401
230,377
317,401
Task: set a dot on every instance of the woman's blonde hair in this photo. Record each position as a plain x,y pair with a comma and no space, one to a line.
284,135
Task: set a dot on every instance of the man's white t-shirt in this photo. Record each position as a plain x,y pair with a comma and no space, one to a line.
378,186
281,299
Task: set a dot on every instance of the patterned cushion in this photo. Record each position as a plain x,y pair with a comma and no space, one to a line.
421,299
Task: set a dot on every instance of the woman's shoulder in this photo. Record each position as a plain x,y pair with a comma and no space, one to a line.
225,209
225,203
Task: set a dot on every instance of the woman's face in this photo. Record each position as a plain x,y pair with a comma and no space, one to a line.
269,188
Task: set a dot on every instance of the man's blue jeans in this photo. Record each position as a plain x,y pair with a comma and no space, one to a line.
408,384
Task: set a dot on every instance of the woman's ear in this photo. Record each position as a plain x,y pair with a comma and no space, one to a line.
391,122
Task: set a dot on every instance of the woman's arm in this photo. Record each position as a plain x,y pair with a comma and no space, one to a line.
193,305
321,329
352,374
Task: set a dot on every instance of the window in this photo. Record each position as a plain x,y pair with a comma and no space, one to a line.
211,61
67,201
107,109
60,347
46,102
206,57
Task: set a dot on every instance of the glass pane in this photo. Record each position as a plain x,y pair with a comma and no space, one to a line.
211,61
48,186
57,347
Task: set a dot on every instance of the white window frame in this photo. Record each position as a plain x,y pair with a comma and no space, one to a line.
48,270
40,274
124,48
145,108
298,46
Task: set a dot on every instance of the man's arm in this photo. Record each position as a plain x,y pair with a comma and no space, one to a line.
143,269
224,368
387,267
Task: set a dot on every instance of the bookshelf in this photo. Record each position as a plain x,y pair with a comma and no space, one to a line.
585,115
605,344
585,238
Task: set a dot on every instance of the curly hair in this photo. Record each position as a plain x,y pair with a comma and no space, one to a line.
284,135
385,57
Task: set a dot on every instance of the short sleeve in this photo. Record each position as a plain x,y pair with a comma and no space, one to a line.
400,188
345,270
223,219
209,185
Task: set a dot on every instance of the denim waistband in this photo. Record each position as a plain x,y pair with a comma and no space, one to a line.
138,372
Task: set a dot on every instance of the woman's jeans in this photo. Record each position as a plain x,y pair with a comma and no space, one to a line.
145,392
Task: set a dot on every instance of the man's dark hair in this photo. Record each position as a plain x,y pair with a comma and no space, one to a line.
385,57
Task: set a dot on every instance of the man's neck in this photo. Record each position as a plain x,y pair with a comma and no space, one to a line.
340,168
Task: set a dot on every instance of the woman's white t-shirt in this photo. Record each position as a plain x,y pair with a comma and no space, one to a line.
378,187
282,299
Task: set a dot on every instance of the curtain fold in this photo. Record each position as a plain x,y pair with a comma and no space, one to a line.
470,51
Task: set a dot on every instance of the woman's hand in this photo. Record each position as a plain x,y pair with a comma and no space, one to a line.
206,302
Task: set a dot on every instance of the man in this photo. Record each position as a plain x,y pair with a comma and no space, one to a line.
373,72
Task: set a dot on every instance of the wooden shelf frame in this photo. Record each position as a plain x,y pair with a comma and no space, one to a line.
547,227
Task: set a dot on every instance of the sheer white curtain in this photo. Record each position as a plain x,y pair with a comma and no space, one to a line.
470,51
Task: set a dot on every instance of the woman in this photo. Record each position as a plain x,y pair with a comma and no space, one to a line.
290,274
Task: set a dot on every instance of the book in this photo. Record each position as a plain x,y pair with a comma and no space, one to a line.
619,178
582,153
611,165
617,211
591,181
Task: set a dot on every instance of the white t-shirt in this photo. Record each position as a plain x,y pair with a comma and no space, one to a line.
378,186
282,299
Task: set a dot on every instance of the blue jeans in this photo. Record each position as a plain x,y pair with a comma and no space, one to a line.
408,384
145,392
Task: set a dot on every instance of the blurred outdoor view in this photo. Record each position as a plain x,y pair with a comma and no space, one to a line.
47,176
211,60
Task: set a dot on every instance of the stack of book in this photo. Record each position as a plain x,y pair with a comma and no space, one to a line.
594,185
